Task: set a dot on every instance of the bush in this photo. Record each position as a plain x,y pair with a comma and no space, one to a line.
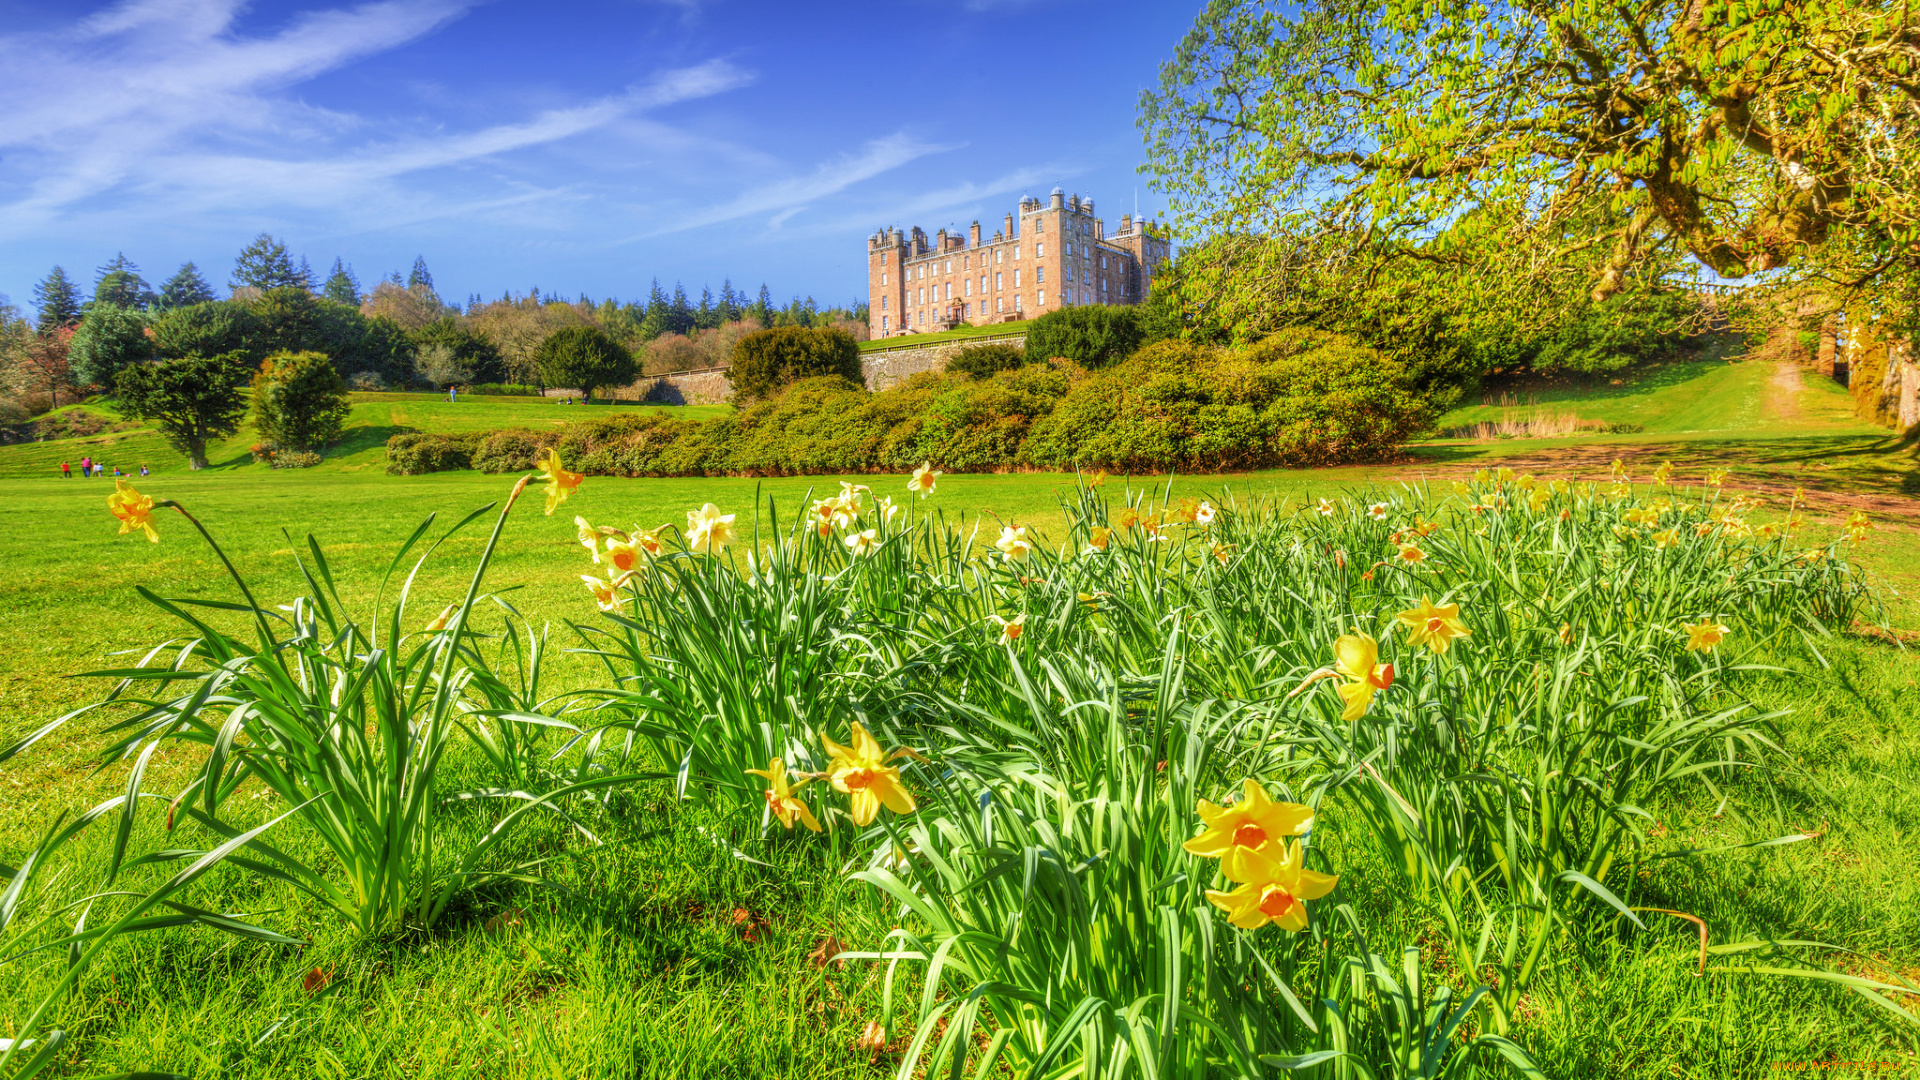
1298,398
1092,336
980,361
463,349
1626,331
367,381
299,401
296,459
506,451
505,389
109,339
767,360
584,357
415,453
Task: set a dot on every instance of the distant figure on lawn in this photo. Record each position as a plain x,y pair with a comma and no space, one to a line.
66,470
86,467
452,395
143,469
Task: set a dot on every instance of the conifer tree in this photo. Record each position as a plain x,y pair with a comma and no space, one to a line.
119,284
266,264
58,302
681,317
420,274
342,286
185,288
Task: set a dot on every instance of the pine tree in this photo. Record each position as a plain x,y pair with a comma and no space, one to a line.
266,264
763,307
58,301
681,317
420,275
729,302
705,318
119,284
342,286
185,288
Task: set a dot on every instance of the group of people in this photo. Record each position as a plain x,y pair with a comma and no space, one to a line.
90,467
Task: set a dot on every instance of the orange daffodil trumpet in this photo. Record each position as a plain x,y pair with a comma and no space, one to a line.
780,798
606,591
861,772
863,542
134,510
560,482
1010,629
923,480
1433,625
1234,831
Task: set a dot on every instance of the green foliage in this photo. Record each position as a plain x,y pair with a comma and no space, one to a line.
506,451
1615,334
185,288
299,401
767,360
342,287
56,301
192,398
1298,398
266,265
585,358
294,320
120,285
979,361
212,328
109,338
414,453
1093,335
472,351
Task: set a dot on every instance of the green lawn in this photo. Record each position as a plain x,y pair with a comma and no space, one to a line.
641,968
991,330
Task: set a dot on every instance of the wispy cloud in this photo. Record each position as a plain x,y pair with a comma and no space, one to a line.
786,197
165,98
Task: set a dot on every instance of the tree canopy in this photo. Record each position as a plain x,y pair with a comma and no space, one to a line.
1749,135
56,301
266,264
584,357
109,338
193,399
767,360
299,401
186,287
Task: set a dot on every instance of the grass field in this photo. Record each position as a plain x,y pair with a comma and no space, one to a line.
662,953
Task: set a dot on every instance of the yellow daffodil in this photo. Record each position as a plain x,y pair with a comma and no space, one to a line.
862,543
1378,511
1410,553
589,537
1011,629
1642,515
708,529
1619,471
1525,482
647,540
1127,518
924,479
1624,533
1223,552
1232,831
1666,538
606,591
1097,538
1013,543
1461,489
439,622
780,798
1098,479
1481,476
889,510
1560,487
134,510
1356,657
1433,625
1716,477
1704,635
1424,527
1539,500
861,772
1188,511
821,513
560,482
623,554
1503,475
1663,474
1274,887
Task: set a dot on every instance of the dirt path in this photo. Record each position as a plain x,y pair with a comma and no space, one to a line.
1783,391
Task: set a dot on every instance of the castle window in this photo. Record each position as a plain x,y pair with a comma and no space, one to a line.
969,288
1016,303
883,279
997,275
1039,274
949,290
983,283
1040,298
1069,250
949,266
1016,279
883,303
996,256
883,324
1103,284
1039,250
999,303
1103,262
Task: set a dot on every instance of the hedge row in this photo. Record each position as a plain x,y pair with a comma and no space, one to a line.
1299,398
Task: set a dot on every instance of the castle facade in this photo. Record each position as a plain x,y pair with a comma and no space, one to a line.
1056,255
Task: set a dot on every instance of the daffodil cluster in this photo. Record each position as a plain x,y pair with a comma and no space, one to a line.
1255,840
861,771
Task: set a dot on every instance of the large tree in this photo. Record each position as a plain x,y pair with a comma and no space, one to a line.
1751,136
109,338
185,288
586,358
266,264
342,286
56,301
299,401
119,284
194,399
210,329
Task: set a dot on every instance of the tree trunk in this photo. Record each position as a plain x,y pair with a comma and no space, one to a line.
197,456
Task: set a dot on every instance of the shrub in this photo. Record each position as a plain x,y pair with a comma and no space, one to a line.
470,352
415,453
586,358
296,459
108,340
767,360
980,361
505,389
367,381
1092,336
980,425
815,425
299,401
506,451
1299,397
1626,331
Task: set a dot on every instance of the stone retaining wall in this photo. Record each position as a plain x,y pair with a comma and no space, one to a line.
881,368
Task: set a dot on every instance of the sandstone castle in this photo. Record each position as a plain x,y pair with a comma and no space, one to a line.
1059,255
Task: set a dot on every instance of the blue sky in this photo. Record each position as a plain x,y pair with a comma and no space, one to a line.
577,147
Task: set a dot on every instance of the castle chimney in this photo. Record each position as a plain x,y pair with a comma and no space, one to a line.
1126,224
1099,229
973,235
1009,226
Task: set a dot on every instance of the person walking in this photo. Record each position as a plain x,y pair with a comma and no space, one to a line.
66,470
86,467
